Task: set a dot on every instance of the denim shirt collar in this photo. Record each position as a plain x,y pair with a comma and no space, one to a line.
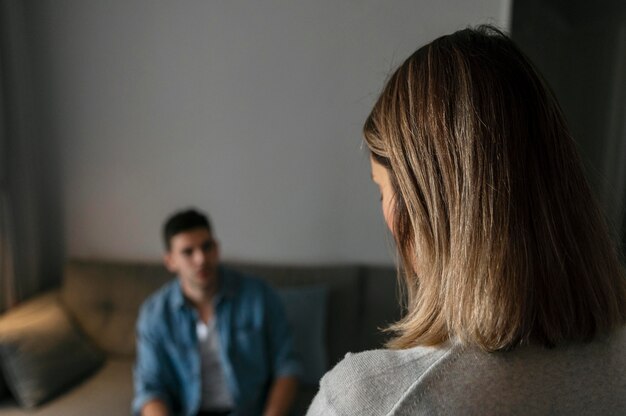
227,288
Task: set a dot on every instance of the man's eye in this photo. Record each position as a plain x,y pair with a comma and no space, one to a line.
187,252
208,246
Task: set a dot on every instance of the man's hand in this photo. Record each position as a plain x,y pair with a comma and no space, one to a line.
155,408
281,396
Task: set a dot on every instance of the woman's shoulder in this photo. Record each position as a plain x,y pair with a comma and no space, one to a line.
383,361
372,382
459,379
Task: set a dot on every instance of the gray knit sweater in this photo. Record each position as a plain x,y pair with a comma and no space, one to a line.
578,379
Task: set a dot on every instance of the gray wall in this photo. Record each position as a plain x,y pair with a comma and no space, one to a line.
249,110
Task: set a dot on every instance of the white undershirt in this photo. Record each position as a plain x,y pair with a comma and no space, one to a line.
215,393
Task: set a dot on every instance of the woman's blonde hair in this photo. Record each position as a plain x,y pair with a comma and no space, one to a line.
501,240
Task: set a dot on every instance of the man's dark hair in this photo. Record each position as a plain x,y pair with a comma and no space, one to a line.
182,221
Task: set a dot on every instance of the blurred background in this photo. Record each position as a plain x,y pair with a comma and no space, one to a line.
117,113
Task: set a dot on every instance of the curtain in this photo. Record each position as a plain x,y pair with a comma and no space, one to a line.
582,53
616,151
7,242
21,208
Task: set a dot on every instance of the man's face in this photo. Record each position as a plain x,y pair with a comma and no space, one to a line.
194,256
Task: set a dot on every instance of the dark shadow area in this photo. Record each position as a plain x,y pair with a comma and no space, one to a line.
580,48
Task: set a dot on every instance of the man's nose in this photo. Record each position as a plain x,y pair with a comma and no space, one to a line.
200,257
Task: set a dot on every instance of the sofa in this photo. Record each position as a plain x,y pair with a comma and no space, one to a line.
70,351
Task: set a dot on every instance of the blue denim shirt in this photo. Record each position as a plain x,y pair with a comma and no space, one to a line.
256,345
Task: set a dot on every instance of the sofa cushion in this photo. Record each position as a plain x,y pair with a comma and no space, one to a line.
306,312
104,298
108,392
344,298
41,352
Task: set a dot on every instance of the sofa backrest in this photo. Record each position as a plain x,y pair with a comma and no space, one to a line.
380,305
104,298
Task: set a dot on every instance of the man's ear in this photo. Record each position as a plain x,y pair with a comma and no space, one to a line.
168,260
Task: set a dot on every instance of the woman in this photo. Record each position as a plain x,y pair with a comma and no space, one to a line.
516,297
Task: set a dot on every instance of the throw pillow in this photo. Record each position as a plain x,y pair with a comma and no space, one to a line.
306,312
41,352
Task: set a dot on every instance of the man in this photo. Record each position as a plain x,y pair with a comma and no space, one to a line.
213,341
